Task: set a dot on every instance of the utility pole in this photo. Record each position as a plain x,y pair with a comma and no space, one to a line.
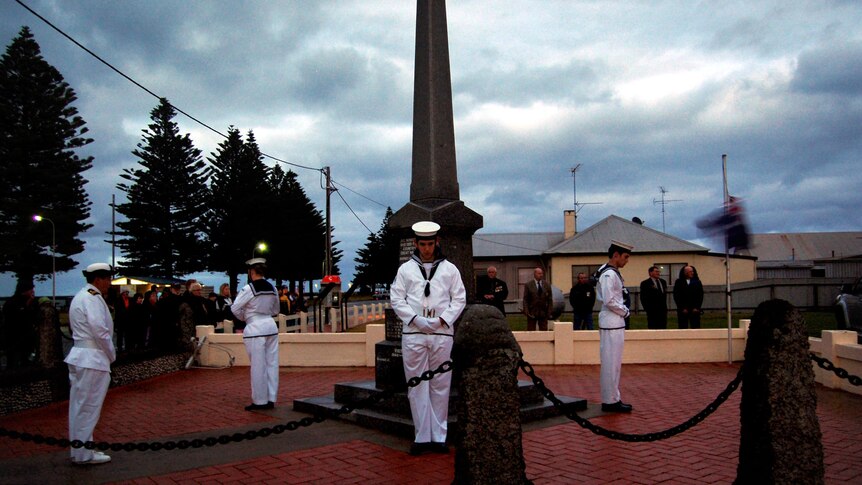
578,205
113,231
664,202
329,190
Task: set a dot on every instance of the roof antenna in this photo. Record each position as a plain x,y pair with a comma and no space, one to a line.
664,202
578,205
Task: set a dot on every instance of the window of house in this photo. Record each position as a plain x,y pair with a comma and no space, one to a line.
670,271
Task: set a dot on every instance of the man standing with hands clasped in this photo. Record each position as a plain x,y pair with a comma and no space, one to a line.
428,296
493,291
90,360
611,291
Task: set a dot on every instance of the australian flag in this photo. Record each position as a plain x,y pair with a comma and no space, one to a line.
729,221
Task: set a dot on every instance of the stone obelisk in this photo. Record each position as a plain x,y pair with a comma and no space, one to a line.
434,193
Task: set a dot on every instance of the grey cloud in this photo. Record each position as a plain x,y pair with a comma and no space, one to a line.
571,83
833,69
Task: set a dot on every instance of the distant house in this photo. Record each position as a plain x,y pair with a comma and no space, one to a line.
564,254
808,255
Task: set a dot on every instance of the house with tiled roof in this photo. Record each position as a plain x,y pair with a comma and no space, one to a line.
564,254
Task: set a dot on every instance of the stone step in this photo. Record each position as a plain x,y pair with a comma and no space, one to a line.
393,415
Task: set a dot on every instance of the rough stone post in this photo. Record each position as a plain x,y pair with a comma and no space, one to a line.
780,438
488,442
49,353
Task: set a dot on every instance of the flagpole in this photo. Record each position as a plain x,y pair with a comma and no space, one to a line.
727,265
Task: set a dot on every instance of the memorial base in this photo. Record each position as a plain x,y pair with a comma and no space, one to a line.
392,415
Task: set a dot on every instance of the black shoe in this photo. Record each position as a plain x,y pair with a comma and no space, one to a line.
617,407
258,407
436,447
417,449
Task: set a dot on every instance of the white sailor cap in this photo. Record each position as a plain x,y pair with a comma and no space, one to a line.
254,261
426,229
97,268
620,247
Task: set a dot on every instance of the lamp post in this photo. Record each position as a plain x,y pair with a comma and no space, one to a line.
261,246
39,218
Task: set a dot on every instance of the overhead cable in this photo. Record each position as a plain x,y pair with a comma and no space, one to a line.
136,83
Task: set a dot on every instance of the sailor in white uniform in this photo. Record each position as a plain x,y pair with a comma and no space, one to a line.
611,291
90,360
428,296
257,304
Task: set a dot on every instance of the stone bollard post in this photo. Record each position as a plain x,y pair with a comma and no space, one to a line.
485,354
780,439
49,353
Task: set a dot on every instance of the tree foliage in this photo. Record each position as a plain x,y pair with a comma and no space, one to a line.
40,131
299,231
166,197
241,211
378,259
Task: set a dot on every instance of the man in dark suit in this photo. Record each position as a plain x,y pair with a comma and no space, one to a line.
538,301
654,299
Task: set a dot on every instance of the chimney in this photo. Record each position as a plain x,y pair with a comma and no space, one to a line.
570,223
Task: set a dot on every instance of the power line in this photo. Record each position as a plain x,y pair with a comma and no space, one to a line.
196,120
357,193
147,90
354,213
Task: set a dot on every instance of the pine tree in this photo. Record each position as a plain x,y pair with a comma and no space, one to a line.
166,199
378,260
241,211
364,271
40,130
299,246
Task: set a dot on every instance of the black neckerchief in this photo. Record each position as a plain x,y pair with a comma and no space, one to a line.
438,258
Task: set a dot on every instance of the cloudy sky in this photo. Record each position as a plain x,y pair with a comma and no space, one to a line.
642,94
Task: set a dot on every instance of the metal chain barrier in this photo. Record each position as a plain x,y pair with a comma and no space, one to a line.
413,382
615,435
223,439
825,364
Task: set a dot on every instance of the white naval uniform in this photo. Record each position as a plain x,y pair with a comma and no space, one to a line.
429,401
89,365
612,333
256,304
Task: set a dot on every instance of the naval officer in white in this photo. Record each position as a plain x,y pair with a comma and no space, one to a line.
90,360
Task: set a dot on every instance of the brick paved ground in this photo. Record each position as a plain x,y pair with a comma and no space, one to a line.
202,402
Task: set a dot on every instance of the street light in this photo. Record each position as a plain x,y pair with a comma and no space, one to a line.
261,246
39,218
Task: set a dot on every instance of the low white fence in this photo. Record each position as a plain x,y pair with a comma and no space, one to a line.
303,322
558,346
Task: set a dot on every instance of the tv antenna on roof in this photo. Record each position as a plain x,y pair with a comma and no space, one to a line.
664,202
578,205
